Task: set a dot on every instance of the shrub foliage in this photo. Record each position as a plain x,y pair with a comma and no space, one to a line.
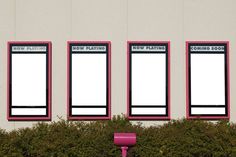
177,138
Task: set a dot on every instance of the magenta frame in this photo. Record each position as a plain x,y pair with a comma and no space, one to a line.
187,82
168,82
109,81
48,118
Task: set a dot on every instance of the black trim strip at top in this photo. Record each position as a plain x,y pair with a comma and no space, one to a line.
130,78
10,78
70,78
226,77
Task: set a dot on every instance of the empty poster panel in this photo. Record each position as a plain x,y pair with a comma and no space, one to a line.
148,80
89,80
207,83
29,80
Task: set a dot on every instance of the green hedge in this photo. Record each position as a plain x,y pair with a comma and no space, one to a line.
178,138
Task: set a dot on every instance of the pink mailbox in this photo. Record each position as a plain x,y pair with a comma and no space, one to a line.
124,140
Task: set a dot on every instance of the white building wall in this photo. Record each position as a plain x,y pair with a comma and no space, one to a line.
117,21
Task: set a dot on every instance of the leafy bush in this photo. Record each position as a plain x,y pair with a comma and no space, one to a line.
177,138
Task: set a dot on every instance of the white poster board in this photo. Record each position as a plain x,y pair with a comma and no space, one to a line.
28,81
208,79
89,80
148,80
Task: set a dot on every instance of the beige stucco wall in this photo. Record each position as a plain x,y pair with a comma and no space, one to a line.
118,21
